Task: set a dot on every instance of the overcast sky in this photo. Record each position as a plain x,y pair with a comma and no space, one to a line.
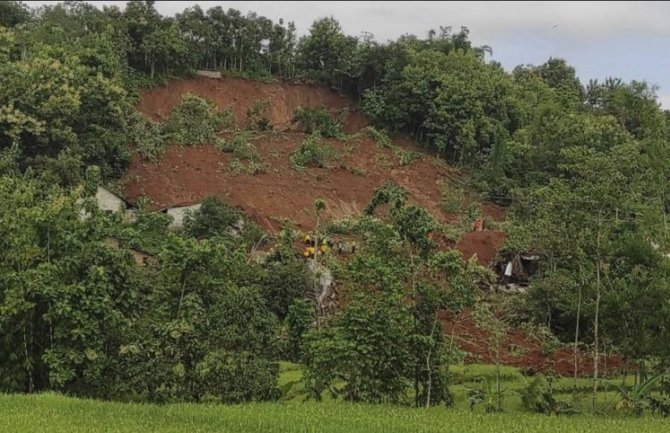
630,40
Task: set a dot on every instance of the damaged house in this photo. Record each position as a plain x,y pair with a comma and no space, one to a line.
515,270
109,202
178,213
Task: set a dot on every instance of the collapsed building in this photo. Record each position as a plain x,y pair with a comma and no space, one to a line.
514,271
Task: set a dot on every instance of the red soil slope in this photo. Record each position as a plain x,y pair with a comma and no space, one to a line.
186,175
520,350
240,95
482,244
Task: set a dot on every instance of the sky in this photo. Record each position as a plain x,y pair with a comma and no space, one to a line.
630,40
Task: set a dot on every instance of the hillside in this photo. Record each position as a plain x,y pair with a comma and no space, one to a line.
185,175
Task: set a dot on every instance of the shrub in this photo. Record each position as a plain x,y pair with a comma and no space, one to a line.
216,218
538,396
299,319
380,136
319,121
358,171
250,167
312,152
257,116
452,198
246,158
237,377
390,193
367,348
383,160
147,136
195,121
237,141
406,157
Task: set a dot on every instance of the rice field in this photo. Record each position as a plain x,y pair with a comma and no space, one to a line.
54,413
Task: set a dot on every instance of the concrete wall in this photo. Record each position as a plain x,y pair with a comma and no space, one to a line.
108,200
210,74
178,214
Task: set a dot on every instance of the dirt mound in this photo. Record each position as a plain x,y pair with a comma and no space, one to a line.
522,351
240,95
483,244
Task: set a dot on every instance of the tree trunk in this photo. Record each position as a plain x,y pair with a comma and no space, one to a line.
429,368
417,369
596,324
31,382
181,297
319,307
576,359
596,353
498,393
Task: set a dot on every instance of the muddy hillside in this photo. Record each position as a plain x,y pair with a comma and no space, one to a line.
186,175
282,99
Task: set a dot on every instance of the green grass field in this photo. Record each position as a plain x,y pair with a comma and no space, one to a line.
54,413
471,376
51,413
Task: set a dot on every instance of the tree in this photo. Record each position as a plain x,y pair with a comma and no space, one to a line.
594,202
164,48
55,107
325,53
367,348
61,287
561,76
13,13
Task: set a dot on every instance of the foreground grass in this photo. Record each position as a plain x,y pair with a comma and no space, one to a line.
57,414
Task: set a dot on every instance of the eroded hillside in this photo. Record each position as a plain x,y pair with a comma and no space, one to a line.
185,175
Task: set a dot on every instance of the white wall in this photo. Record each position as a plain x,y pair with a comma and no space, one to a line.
178,214
108,201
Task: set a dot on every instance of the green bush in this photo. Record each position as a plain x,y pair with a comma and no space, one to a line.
452,198
538,396
147,136
366,349
406,157
380,136
216,218
252,167
195,121
299,319
246,158
390,193
312,152
236,144
358,171
318,120
257,116
237,377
